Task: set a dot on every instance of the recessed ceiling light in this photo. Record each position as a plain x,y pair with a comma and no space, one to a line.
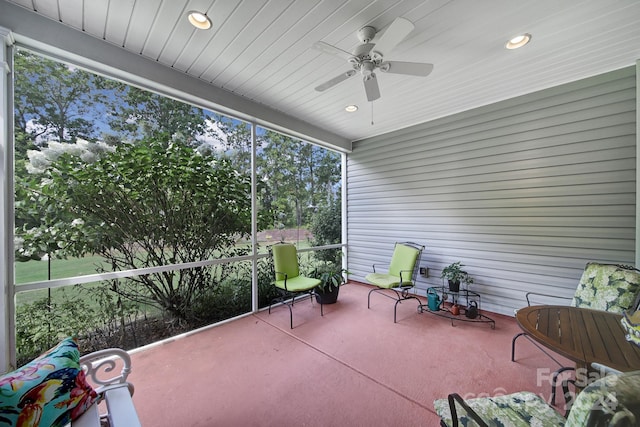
199,20
351,108
518,41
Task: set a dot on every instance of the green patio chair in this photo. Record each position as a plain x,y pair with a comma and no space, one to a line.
612,400
288,281
609,287
400,277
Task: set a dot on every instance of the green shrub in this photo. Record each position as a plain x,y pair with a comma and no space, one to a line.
43,323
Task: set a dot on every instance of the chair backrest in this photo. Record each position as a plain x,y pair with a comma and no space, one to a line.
405,259
608,287
613,400
285,260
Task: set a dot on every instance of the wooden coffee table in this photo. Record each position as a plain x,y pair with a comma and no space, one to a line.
582,335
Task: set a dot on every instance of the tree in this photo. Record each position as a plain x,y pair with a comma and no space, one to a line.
281,166
298,177
170,185
42,228
153,204
139,114
326,227
54,101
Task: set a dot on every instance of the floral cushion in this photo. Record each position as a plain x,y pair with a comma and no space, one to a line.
518,409
613,400
48,391
631,326
612,397
607,287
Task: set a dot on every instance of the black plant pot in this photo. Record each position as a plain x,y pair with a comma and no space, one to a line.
454,286
327,296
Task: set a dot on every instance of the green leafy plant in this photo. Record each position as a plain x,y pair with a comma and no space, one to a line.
174,206
331,275
43,322
455,273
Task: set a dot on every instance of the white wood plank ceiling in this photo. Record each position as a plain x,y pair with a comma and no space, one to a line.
262,50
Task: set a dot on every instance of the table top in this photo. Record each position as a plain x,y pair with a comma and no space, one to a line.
581,334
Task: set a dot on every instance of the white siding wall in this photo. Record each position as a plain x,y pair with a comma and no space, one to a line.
524,192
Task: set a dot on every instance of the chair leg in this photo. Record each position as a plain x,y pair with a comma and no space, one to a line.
290,315
554,378
276,299
369,297
283,300
399,297
554,382
513,345
395,307
524,334
568,399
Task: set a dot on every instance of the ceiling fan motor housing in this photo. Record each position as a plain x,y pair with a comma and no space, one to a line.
366,34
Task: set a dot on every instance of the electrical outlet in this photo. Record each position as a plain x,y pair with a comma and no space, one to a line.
424,271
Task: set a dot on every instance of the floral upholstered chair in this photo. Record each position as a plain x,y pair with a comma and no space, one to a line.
612,400
608,287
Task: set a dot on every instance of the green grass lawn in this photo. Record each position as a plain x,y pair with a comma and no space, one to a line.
35,271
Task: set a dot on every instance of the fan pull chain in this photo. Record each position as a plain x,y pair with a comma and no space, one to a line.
371,113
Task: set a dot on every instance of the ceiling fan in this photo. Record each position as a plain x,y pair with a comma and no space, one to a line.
369,57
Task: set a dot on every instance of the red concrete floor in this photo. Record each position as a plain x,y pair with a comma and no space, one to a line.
352,367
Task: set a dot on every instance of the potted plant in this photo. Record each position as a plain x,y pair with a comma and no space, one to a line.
456,275
332,278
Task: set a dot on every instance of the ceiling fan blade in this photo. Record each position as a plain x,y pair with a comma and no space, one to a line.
395,33
334,81
332,50
409,68
371,87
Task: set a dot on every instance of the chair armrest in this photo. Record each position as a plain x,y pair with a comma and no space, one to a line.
544,295
285,278
455,398
409,284
120,409
99,367
90,418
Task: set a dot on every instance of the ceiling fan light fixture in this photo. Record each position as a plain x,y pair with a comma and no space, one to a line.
518,41
199,20
351,108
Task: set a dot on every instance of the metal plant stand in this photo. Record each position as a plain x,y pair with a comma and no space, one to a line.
456,298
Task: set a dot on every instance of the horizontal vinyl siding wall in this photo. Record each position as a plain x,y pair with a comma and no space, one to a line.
524,192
